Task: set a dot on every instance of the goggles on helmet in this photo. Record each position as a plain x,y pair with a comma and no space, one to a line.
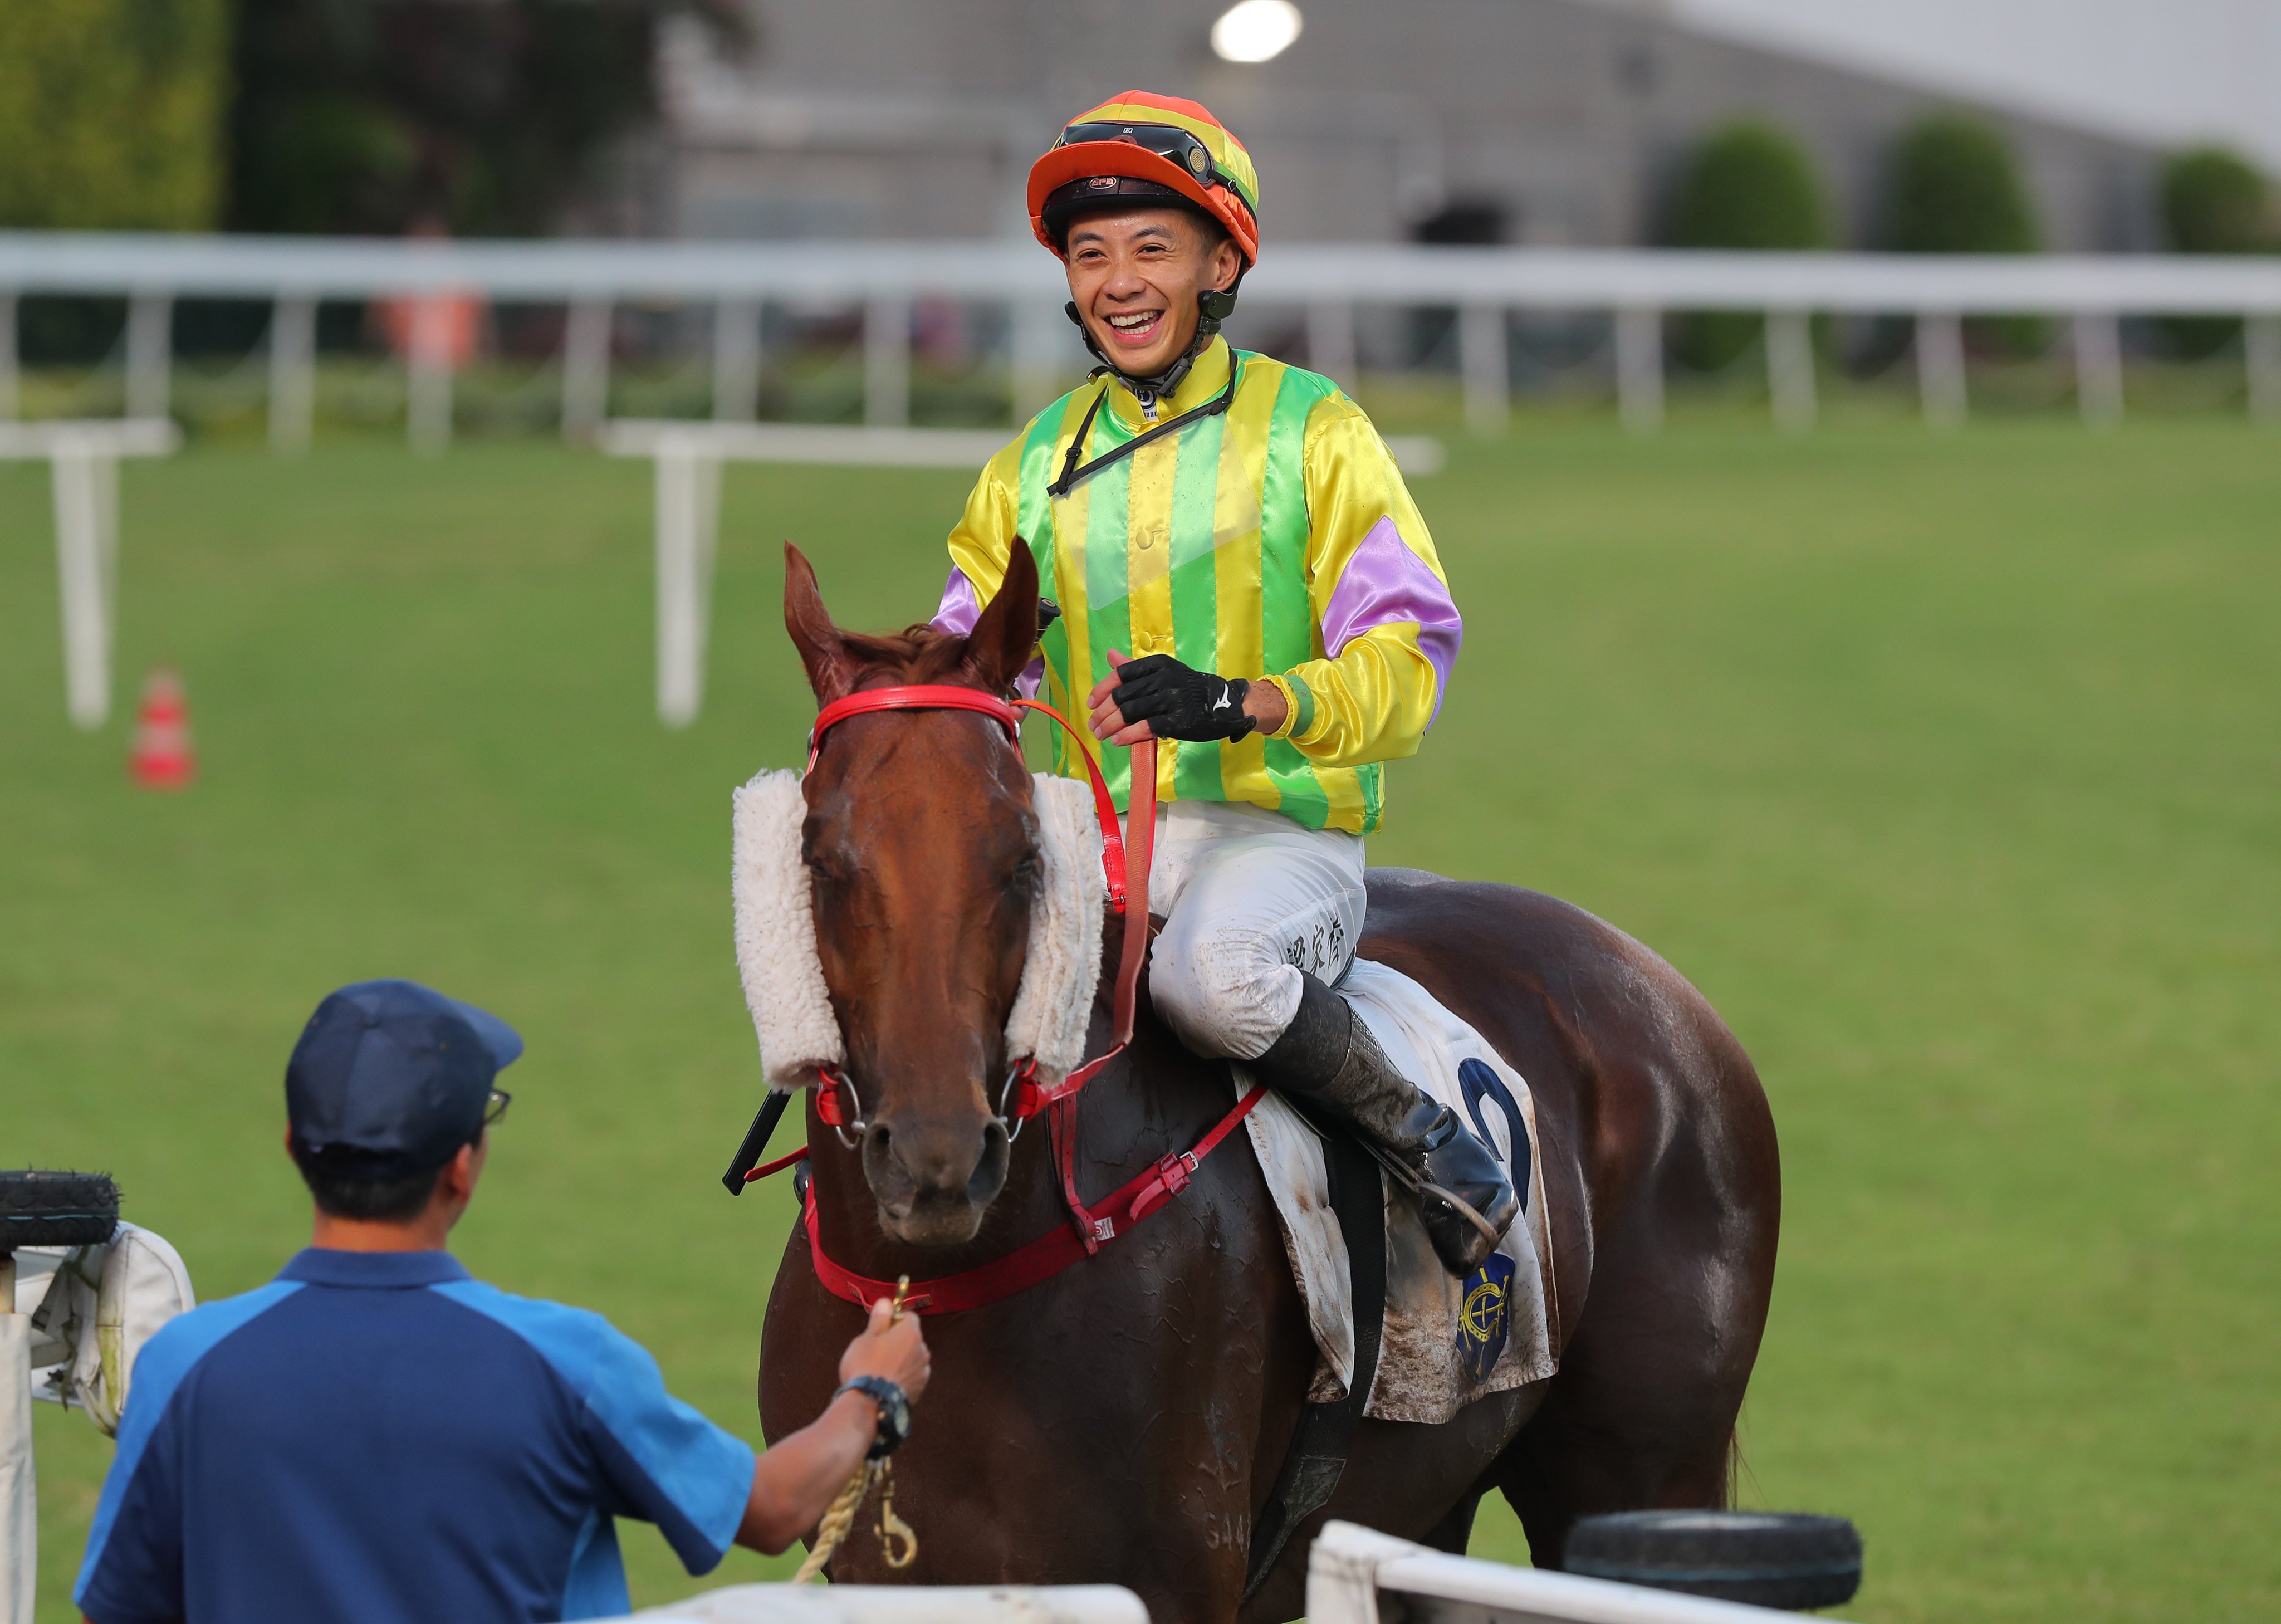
1166,141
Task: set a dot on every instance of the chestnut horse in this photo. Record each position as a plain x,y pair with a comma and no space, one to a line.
1125,1421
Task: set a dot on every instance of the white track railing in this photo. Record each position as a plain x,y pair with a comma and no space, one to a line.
83,458
859,1604
688,457
1350,1568
1325,280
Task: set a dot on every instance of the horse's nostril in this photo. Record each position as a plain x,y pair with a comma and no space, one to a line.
883,1136
989,1167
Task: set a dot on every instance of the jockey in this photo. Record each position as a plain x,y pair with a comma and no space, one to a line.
1238,568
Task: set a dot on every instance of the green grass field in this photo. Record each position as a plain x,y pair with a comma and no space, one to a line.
1949,768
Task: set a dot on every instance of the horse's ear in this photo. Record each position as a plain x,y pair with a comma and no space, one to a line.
830,671
1006,634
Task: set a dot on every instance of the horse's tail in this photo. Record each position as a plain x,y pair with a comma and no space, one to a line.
1738,1467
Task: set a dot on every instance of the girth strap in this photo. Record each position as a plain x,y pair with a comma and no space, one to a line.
1318,1457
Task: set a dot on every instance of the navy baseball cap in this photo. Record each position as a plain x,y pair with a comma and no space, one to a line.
390,1077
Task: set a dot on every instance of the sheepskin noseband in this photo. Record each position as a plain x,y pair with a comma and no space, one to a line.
783,978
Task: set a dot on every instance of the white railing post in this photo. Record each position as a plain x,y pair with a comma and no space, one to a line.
1342,1572
1941,386
688,524
2261,358
2098,368
735,361
1331,342
427,401
586,367
1790,369
887,362
150,353
12,403
20,1498
83,458
292,373
86,481
1485,366
1639,368
428,374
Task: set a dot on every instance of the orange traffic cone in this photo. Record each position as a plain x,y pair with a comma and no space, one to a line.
162,757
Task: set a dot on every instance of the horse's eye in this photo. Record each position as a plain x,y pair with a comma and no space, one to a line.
1029,874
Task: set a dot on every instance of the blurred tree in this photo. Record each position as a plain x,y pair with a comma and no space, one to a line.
1955,189
1747,185
111,112
2216,202
378,116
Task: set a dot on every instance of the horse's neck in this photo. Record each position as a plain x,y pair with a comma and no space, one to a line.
1152,1101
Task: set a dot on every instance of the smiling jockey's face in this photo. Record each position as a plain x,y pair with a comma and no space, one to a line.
1135,276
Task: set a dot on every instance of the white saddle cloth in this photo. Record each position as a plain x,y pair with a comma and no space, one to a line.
1421,1376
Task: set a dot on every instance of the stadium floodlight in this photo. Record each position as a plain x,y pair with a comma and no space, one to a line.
1256,30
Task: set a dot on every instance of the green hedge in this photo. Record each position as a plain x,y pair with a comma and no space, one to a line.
1749,184
2215,201
1954,187
111,112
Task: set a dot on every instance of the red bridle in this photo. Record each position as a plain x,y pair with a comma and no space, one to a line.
1127,872
1128,882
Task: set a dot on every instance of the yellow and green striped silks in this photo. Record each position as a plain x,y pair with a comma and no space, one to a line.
1275,540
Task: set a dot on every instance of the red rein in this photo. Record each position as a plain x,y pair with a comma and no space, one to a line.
1090,1227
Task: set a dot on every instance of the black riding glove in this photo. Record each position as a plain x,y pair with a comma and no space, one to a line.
1178,701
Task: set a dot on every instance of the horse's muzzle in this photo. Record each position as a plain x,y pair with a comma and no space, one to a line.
934,1175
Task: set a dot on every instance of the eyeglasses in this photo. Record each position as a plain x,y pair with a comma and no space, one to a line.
495,1106
1166,141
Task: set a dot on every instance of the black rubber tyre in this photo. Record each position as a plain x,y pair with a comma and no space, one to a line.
1769,1559
57,1209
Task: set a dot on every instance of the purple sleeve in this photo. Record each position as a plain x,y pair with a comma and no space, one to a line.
1385,583
956,616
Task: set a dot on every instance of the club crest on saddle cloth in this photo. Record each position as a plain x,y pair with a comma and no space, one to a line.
1482,1322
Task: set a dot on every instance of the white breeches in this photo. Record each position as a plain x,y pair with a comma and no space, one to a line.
1251,899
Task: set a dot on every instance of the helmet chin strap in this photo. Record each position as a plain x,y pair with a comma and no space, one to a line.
1214,305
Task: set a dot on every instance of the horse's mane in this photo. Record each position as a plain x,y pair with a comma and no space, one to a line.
918,654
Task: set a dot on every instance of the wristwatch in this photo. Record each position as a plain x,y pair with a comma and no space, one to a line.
894,1412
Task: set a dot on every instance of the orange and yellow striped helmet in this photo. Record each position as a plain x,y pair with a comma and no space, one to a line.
1160,140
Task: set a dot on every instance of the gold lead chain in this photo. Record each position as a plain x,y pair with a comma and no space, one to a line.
841,1516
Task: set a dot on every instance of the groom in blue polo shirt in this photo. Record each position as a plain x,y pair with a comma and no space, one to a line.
376,1438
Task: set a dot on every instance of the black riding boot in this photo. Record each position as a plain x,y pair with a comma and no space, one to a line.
1328,1058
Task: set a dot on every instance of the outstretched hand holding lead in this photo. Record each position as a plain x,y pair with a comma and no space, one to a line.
1157,697
797,1478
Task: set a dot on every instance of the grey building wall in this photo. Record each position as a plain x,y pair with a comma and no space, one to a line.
919,119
